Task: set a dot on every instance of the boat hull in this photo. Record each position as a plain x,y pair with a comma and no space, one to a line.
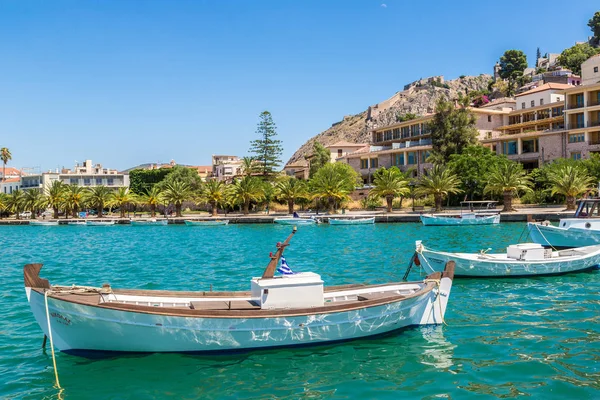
206,223
358,221
435,220
43,223
467,266
161,222
80,328
99,223
549,235
294,221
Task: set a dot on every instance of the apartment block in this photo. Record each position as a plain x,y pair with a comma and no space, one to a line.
582,117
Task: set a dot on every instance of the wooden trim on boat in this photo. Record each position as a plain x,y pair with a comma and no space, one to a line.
31,275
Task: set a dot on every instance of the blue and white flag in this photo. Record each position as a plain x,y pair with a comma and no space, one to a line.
284,269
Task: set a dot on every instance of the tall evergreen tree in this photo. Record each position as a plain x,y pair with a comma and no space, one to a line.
452,129
267,150
538,55
512,65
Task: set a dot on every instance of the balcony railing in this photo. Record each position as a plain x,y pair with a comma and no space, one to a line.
574,106
593,103
593,123
576,126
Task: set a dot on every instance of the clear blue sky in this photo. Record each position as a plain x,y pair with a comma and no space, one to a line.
126,82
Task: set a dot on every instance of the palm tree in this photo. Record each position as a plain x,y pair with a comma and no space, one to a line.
248,166
389,183
439,182
177,192
290,189
15,202
34,200
74,198
570,181
508,179
121,198
3,203
247,189
153,198
213,192
55,195
333,182
99,196
5,156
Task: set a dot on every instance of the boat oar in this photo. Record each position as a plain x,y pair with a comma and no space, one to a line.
413,260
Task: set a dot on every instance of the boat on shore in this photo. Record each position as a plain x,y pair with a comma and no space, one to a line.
100,223
206,223
43,223
351,221
581,230
525,259
484,215
76,223
153,221
277,311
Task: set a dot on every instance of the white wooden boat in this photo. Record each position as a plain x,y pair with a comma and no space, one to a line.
76,223
484,215
277,311
99,223
152,221
351,221
43,223
582,230
294,221
525,259
206,223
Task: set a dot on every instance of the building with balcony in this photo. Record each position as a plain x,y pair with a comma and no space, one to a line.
9,185
535,130
342,148
86,175
408,144
582,118
226,168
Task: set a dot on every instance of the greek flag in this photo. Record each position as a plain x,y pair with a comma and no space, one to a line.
284,269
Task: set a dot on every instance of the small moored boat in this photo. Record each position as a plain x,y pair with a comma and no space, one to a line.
206,223
485,215
152,221
351,221
288,310
99,223
77,223
581,230
43,223
525,259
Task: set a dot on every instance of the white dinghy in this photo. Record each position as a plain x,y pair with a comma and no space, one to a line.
277,311
352,221
582,230
100,223
218,222
485,215
43,223
525,259
153,221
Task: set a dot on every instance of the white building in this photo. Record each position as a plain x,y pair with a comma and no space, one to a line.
225,168
9,185
86,174
343,148
545,94
590,70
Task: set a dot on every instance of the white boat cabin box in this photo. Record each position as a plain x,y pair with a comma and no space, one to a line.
301,290
528,251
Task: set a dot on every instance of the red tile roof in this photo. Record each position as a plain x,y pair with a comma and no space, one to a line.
546,86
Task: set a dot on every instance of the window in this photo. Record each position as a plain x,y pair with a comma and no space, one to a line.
396,133
405,132
532,103
412,157
73,181
489,118
509,148
424,155
339,152
364,163
388,135
399,159
595,69
98,181
541,102
576,138
580,121
414,130
530,146
374,162
576,155
523,105
488,135
579,100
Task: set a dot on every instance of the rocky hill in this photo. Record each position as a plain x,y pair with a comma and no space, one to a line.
418,98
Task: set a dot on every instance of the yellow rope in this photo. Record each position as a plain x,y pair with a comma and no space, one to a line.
540,232
52,342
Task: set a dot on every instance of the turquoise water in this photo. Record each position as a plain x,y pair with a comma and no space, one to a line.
505,337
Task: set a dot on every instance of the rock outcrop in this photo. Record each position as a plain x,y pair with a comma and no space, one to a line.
417,98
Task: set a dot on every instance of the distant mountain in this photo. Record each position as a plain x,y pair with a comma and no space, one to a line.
418,98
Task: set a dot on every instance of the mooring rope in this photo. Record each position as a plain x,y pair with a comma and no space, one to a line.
51,341
547,241
437,296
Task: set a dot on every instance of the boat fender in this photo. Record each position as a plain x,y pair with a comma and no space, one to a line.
417,261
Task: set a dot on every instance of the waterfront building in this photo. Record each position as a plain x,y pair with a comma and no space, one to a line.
86,174
408,144
534,131
11,172
226,168
342,148
10,185
582,118
299,169
590,70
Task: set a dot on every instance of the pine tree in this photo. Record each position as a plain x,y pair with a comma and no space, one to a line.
538,55
267,150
